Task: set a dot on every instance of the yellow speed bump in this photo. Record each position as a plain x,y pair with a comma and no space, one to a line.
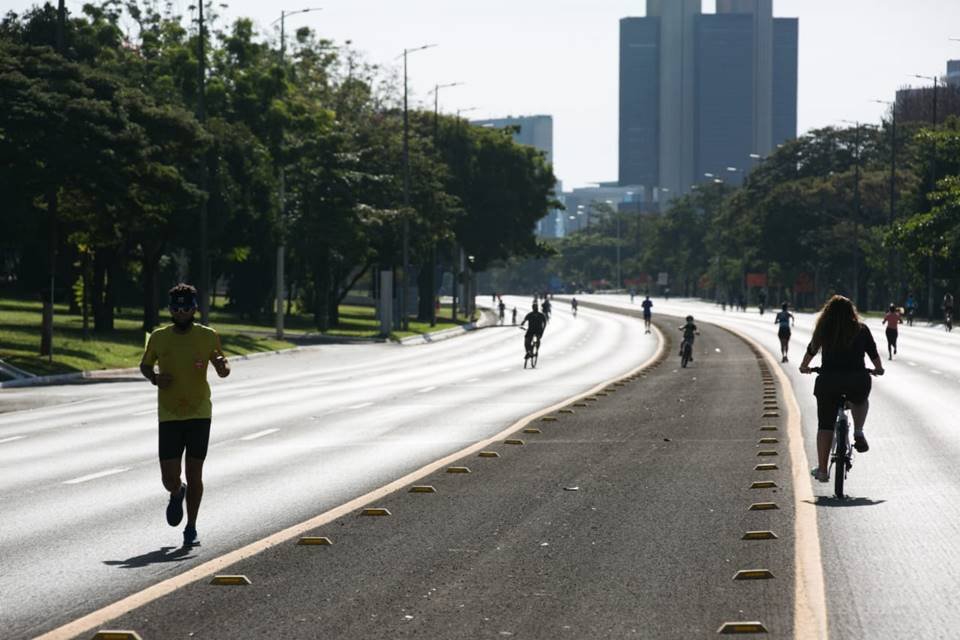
770,414
767,453
375,511
116,634
566,410
767,441
759,535
602,393
422,488
767,466
768,428
579,404
231,580
753,626
753,574
764,484
458,470
548,419
532,430
763,506
513,441
591,399
488,454
314,541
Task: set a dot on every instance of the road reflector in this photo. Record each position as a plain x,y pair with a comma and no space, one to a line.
742,627
314,540
375,511
763,506
591,399
488,454
548,419
764,484
566,410
458,470
231,580
768,441
532,430
767,466
759,535
767,453
513,441
768,428
602,393
579,404
116,634
422,488
770,414
753,574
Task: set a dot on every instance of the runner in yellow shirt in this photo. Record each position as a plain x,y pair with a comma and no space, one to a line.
182,351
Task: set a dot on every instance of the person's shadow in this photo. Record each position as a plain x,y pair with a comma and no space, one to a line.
831,501
163,554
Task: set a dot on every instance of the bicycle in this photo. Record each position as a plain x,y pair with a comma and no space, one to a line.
534,353
686,353
841,453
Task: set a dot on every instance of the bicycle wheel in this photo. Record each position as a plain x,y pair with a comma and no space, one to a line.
536,354
840,463
685,358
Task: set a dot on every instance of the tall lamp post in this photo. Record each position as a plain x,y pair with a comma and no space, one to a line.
856,212
281,247
457,251
404,322
933,184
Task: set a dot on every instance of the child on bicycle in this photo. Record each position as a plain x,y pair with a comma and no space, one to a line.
845,340
689,331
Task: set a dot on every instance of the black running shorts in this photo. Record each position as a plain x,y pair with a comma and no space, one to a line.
179,435
830,386
784,333
892,336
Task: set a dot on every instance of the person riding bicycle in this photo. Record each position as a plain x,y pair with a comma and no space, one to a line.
947,307
573,306
910,307
503,310
647,305
785,319
547,308
689,331
891,320
844,340
537,322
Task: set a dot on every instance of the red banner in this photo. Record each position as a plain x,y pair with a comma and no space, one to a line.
804,283
756,280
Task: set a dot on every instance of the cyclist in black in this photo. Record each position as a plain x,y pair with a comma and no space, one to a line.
689,331
845,340
503,310
537,322
546,308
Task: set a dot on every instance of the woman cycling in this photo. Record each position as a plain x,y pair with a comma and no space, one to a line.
844,340
892,320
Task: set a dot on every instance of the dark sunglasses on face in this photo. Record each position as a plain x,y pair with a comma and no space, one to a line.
181,308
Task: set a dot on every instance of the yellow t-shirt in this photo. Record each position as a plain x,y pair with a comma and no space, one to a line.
184,356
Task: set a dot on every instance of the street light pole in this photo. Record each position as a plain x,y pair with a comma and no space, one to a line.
404,323
892,212
933,185
856,213
202,116
282,178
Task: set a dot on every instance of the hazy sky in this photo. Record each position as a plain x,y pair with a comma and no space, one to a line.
560,57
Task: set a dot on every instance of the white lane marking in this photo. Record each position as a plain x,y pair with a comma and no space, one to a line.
143,413
361,405
100,474
12,438
504,370
259,434
936,372
426,390
474,380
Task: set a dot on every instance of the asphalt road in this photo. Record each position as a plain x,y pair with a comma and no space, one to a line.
890,560
293,436
622,519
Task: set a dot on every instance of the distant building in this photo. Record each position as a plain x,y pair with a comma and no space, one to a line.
701,92
581,204
953,73
537,132
916,104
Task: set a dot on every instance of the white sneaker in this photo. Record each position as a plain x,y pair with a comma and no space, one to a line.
821,477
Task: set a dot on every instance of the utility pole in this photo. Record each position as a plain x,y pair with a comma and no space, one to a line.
202,116
933,185
892,211
436,144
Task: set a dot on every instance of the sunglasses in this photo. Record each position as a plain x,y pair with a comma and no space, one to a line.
181,308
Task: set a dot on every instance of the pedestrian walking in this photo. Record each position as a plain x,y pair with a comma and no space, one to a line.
182,351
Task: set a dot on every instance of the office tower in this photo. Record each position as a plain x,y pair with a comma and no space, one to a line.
701,92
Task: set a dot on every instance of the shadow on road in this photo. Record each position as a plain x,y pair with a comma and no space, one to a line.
830,501
163,554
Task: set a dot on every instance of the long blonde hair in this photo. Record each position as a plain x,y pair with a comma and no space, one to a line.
837,325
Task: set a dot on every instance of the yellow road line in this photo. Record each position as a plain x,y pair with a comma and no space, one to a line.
99,617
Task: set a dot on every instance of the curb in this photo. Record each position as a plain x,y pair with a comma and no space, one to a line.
485,320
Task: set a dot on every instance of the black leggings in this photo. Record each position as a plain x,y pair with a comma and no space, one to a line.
830,386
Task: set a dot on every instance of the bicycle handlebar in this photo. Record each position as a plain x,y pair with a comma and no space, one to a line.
872,372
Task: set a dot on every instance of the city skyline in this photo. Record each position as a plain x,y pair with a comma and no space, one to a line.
561,58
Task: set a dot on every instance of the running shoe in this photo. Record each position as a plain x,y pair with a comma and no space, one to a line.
821,477
860,443
175,506
190,536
